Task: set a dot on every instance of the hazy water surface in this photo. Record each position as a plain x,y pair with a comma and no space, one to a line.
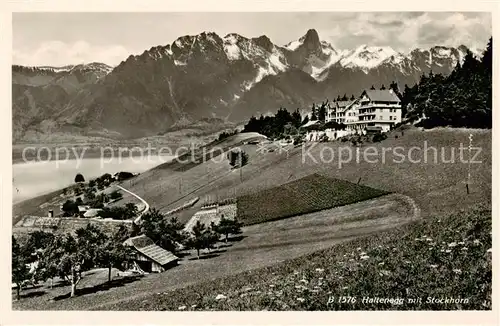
38,178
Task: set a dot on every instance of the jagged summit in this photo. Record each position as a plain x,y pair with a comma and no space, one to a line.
311,39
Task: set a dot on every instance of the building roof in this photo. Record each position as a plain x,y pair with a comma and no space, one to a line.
92,212
384,95
310,123
148,248
83,208
343,104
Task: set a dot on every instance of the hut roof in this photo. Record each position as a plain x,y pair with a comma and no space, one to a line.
148,248
382,95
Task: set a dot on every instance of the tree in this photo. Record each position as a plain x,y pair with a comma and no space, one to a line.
372,88
322,110
74,254
223,135
79,178
197,237
382,87
70,208
117,213
462,99
35,243
314,113
237,158
115,195
211,237
48,259
77,191
352,97
201,237
226,227
168,234
114,254
122,233
131,208
344,98
487,60
89,194
122,175
20,271
297,118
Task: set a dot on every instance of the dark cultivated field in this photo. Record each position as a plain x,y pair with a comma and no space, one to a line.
309,194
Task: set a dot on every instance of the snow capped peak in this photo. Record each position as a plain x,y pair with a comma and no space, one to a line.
367,57
57,69
441,51
235,36
310,40
294,45
231,48
264,42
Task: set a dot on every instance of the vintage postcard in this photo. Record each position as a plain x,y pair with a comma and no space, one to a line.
312,160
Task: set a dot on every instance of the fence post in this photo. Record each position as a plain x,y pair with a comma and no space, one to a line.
468,169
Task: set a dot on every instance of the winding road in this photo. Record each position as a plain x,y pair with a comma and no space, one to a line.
146,205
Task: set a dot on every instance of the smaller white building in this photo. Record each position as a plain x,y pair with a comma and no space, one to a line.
337,111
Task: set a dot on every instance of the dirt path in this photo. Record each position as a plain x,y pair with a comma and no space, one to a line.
146,205
262,245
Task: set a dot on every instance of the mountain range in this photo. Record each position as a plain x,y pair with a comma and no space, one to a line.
203,76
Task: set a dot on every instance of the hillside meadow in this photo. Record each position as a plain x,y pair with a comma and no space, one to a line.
437,187
440,263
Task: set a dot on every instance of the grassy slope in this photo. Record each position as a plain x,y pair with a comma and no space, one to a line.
440,257
436,187
263,245
306,195
38,206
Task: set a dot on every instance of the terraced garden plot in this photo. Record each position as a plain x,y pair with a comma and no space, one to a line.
309,194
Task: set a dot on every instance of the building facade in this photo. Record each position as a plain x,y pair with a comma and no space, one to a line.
378,108
337,111
374,108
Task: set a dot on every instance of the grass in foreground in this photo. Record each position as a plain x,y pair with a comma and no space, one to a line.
306,195
440,257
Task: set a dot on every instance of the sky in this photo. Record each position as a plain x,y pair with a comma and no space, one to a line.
57,39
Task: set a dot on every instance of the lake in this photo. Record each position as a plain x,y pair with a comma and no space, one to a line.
37,178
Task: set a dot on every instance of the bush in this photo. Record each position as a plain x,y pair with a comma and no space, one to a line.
115,195
379,137
77,191
121,176
70,208
117,213
298,140
324,139
223,135
238,158
79,178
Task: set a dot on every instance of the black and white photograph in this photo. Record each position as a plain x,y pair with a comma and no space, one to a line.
251,161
